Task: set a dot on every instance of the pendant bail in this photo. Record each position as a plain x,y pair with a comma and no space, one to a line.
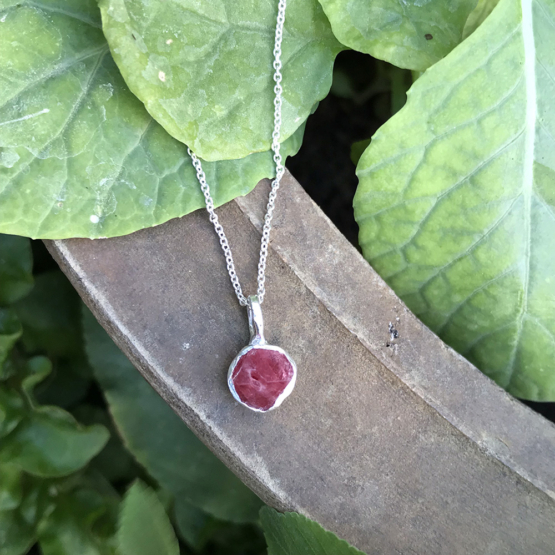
256,322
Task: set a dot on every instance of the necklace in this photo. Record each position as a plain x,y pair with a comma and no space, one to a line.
261,376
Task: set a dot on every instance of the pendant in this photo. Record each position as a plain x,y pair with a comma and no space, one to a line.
261,376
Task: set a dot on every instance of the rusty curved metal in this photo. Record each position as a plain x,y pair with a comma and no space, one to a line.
397,444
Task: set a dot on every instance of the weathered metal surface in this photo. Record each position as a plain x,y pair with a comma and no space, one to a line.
397,445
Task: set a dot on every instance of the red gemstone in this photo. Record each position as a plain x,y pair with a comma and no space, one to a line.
261,376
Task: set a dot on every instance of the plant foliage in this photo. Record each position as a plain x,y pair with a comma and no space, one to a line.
78,147
456,203
75,482
201,68
294,534
144,527
411,34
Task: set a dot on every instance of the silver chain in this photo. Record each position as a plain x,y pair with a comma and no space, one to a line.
205,188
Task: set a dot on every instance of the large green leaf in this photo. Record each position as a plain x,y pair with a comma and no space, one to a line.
16,266
294,534
149,427
79,154
456,203
412,34
144,527
204,69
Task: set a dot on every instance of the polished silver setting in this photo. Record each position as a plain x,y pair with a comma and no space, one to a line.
256,327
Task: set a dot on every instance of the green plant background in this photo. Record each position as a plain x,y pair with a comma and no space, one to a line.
81,438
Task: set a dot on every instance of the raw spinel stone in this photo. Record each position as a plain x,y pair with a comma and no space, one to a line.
260,377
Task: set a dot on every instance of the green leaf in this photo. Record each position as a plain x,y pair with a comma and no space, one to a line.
193,525
357,149
72,527
36,370
410,34
18,526
68,384
478,16
49,442
11,410
16,534
144,527
11,487
16,265
114,462
13,405
204,69
50,315
79,154
150,427
456,202
52,324
294,534
10,332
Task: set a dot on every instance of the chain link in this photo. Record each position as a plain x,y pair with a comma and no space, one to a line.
280,169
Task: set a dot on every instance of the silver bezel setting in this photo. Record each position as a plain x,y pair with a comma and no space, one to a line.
283,395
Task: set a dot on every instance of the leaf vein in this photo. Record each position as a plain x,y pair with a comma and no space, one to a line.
60,68
449,131
546,13
61,11
80,99
485,336
483,286
453,187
